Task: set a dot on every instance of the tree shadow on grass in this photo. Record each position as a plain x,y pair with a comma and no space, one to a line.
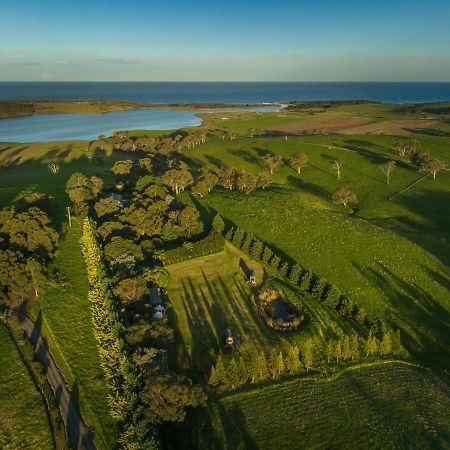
310,188
235,431
219,164
413,305
245,155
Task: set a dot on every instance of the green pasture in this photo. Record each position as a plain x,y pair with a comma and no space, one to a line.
65,319
390,256
389,405
23,418
209,294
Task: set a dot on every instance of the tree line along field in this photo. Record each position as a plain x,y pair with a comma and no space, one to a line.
65,317
390,405
23,418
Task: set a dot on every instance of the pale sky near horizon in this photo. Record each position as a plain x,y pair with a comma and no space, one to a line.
197,40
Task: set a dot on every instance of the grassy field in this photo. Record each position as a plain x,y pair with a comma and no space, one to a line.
210,293
391,256
24,166
207,295
390,405
23,419
66,322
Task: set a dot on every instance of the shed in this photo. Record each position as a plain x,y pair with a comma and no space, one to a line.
159,312
252,277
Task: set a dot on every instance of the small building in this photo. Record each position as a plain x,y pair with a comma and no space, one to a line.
155,296
252,277
118,198
230,340
159,312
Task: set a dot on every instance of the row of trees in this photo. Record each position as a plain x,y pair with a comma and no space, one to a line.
28,242
236,371
302,278
261,367
121,376
123,141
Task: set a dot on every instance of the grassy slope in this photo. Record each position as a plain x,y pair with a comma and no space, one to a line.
24,166
391,256
23,419
385,406
208,294
66,317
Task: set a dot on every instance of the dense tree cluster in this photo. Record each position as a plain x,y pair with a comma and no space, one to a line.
27,243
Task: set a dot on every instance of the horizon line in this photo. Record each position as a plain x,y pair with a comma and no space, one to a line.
222,81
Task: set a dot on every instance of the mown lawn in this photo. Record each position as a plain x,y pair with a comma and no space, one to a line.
66,323
390,405
209,294
23,417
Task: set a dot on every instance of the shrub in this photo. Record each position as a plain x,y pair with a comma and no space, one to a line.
218,225
213,243
318,288
294,277
247,243
267,254
332,295
238,238
306,279
257,249
275,262
284,269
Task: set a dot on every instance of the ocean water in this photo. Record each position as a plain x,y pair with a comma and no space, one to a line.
67,127
54,127
229,93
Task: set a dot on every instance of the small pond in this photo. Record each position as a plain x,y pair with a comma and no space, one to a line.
281,310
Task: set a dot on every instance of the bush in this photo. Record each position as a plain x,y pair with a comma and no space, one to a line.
318,288
294,277
275,262
284,270
306,279
247,244
218,224
267,254
238,238
257,249
213,243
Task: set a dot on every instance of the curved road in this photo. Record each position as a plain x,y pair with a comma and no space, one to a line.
80,436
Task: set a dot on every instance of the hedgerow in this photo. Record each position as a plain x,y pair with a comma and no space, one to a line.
121,376
213,243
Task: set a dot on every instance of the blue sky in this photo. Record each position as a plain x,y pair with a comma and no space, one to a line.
195,40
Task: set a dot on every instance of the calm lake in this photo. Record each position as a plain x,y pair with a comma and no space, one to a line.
65,127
